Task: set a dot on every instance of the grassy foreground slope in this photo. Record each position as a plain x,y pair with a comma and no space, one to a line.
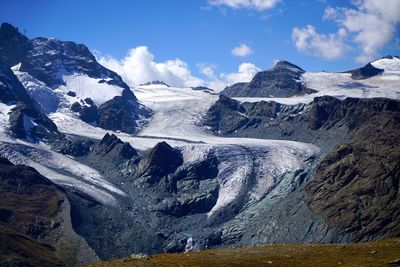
377,253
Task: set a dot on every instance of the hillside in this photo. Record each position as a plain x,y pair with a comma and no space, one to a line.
378,253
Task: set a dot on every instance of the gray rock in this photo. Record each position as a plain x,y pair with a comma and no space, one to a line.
365,72
283,80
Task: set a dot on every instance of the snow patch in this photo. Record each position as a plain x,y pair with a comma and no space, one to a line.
39,91
4,116
388,65
86,87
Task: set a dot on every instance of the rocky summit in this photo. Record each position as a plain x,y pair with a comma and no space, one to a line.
283,80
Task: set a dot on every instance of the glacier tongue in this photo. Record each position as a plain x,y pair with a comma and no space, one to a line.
249,168
61,169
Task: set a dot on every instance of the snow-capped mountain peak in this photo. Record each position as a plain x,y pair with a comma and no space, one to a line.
390,64
65,77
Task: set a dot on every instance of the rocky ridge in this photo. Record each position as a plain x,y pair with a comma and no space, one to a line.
35,221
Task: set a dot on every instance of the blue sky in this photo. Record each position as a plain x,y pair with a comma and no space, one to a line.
203,33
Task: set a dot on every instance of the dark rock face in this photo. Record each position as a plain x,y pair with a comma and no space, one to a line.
88,113
280,81
355,187
11,90
112,145
13,44
89,101
110,155
225,116
35,221
365,72
72,146
326,121
260,119
121,113
71,93
321,111
159,162
195,189
117,114
76,107
26,119
237,89
204,89
29,203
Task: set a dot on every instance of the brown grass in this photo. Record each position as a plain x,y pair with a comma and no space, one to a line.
378,253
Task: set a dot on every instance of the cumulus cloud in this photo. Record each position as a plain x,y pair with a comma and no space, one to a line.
248,4
370,24
245,73
139,66
241,50
328,46
207,70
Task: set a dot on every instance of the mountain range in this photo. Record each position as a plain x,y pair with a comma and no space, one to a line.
92,169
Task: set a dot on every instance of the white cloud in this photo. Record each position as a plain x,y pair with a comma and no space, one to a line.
328,46
241,50
139,67
249,4
369,24
245,73
274,61
207,70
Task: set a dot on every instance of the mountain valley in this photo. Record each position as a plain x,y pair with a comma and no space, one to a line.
94,169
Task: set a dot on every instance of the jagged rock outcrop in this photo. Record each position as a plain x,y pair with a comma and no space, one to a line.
159,162
121,113
28,122
88,113
228,117
13,44
35,222
195,188
111,146
365,72
75,147
225,116
26,118
283,80
11,90
325,120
